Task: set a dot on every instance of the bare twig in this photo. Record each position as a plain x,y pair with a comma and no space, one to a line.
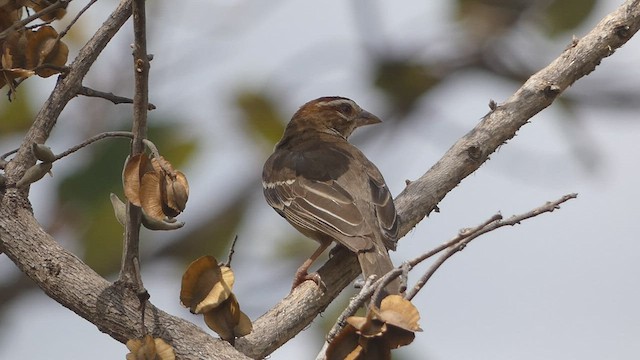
356,303
109,96
91,140
232,250
130,267
465,237
85,8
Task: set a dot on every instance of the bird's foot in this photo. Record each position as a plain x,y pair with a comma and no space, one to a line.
302,276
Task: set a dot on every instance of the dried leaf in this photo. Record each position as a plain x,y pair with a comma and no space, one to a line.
38,5
227,320
10,12
134,168
149,348
44,48
155,224
399,312
205,285
345,345
367,326
150,196
179,192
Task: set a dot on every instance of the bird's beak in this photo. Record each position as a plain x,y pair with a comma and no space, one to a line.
367,118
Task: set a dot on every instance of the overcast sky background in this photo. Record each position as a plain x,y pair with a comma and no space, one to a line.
560,286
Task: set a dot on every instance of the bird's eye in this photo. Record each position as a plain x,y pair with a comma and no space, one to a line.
345,109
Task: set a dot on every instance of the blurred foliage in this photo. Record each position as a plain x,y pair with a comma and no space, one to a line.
83,196
16,117
261,116
214,234
403,81
565,15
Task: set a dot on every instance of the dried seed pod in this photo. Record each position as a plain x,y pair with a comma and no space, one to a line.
34,173
43,152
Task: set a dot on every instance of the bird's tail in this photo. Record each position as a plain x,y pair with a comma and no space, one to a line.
377,261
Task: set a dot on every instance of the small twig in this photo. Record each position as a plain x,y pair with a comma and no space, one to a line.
355,303
371,289
104,135
129,273
469,235
232,251
461,235
4,156
85,8
109,96
49,9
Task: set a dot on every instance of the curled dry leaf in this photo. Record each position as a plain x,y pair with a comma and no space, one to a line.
10,12
228,321
38,5
44,48
345,346
134,168
28,52
155,224
399,312
155,186
374,336
205,285
151,196
34,173
173,185
149,348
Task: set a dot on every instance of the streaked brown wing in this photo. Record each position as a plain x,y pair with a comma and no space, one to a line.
301,185
320,207
384,208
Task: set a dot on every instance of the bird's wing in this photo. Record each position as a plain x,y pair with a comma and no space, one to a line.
384,208
303,188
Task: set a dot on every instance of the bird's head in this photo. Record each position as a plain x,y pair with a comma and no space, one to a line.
333,114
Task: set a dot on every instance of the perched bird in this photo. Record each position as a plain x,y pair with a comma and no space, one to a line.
328,190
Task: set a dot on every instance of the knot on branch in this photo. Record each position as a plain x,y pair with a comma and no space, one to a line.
551,91
622,31
475,153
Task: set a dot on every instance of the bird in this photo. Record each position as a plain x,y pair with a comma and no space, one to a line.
328,190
